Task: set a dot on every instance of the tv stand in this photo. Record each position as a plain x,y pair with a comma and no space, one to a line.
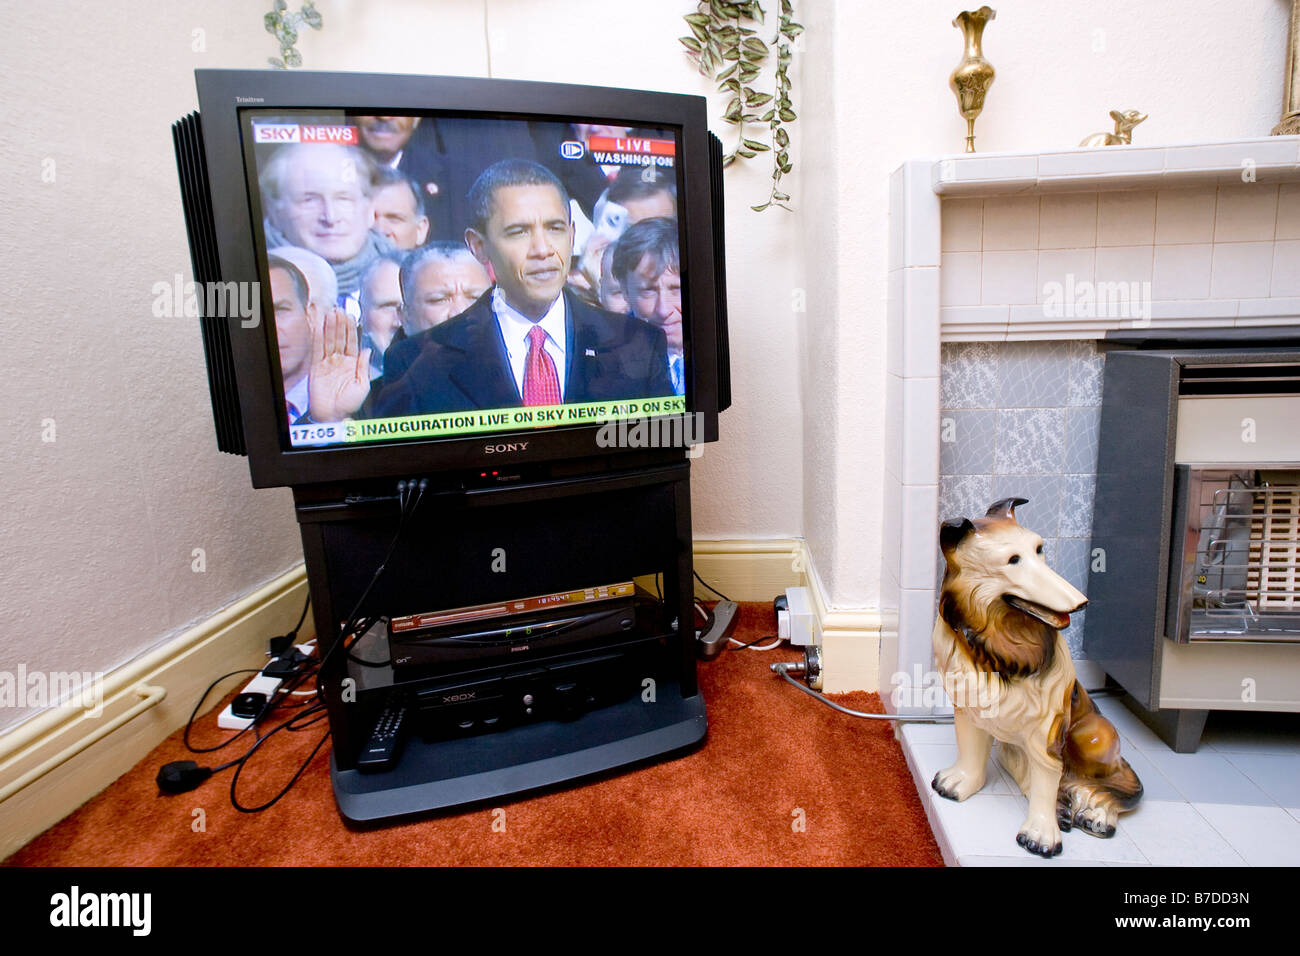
478,538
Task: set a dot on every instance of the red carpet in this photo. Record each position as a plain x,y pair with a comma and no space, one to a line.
774,757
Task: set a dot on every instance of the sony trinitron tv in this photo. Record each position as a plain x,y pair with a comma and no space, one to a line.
447,273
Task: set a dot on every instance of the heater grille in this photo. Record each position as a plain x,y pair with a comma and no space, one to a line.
1244,575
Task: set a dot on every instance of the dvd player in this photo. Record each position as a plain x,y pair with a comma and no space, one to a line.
544,625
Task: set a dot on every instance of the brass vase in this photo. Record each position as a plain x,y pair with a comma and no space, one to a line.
974,74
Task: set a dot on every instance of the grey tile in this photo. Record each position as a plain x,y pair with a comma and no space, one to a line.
967,440
1208,777
968,375
1033,374
1250,732
1030,441
1077,493
1081,430
964,496
1041,512
1074,634
1278,775
1069,557
1085,373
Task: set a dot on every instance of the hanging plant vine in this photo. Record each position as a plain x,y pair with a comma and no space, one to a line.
729,51
284,27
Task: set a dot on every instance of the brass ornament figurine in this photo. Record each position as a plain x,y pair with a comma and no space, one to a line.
1123,135
1289,125
974,74
1008,671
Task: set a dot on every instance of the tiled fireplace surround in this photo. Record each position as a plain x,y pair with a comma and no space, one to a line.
988,395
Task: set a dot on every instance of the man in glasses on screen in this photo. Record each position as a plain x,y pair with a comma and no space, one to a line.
527,341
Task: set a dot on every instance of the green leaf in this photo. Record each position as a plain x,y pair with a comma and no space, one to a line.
749,72
292,57
280,6
697,19
782,157
782,137
728,71
792,30
787,8
756,45
311,16
691,44
728,160
275,62
752,56
733,85
760,208
707,63
732,53
758,99
700,33
747,153
756,145
733,112
788,115
767,117
779,195
786,168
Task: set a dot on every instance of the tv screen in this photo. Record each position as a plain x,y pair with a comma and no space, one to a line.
435,275
454,273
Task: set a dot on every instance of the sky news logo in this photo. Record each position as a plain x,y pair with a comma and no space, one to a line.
303,133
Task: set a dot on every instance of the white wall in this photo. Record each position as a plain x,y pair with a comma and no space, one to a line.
1202,70
99,526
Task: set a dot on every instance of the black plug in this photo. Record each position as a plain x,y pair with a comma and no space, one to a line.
181,776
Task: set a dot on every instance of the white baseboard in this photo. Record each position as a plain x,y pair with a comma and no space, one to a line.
760,570
161,686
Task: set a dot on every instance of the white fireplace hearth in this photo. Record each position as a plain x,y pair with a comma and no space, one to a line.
1060,246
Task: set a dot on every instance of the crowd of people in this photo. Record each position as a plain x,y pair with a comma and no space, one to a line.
377,244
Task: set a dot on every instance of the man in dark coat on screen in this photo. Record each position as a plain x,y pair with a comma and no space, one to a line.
526,341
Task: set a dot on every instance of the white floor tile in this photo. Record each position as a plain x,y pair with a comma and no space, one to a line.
931,758
986,825
1174,834
1278,775
1209,778
1264,836
1027,859
929,733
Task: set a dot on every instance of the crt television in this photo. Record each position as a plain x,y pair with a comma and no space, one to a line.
394,241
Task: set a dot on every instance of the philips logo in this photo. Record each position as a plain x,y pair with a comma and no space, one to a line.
572,149
510,446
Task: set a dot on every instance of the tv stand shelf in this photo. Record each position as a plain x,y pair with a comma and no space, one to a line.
451,773
491,544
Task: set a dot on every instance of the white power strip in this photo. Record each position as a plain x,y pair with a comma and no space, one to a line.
798,624
260,684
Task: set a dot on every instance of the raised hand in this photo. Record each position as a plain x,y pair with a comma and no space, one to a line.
339,379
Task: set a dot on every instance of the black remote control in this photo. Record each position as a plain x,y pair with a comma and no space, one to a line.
380,751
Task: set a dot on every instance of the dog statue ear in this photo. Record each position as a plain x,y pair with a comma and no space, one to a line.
951,532
1006,508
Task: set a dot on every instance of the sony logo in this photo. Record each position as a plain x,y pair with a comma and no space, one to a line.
250,99
510,446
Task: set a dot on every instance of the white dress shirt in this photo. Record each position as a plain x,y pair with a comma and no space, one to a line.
514,332
298,398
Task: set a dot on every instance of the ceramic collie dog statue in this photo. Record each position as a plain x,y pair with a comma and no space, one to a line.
1001,613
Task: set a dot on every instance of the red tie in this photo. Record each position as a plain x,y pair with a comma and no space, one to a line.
541,384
